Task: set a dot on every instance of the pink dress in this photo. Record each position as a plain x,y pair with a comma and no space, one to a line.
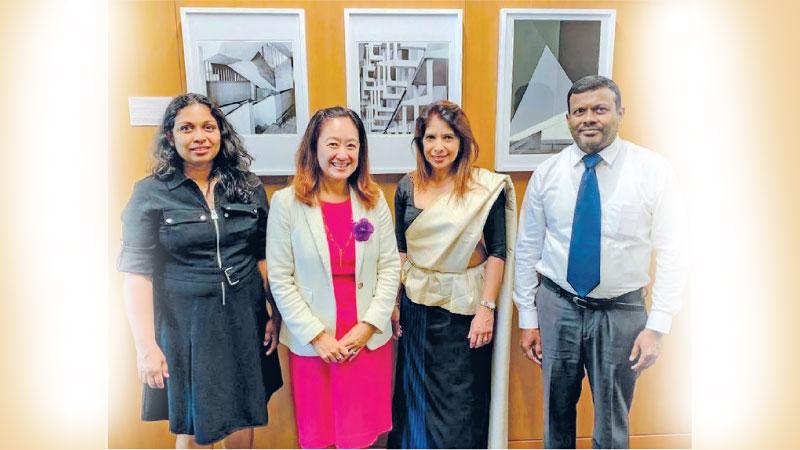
343,404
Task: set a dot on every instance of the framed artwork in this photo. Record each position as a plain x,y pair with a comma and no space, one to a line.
398,61
252,62
542,53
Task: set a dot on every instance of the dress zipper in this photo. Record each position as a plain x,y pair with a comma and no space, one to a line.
215,218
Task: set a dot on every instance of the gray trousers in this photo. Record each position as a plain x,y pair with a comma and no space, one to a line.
597,342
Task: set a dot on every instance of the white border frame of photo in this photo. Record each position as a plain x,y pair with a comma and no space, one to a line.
394,153
504,160
273,154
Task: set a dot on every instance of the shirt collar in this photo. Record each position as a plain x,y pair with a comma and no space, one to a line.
177,179
608,154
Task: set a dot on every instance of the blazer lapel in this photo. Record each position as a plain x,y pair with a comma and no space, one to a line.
314,220
358,214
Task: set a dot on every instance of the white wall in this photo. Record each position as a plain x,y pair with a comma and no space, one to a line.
284,76
242,119
265,111
268,111
225,92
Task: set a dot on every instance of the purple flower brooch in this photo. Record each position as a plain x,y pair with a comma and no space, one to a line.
362,230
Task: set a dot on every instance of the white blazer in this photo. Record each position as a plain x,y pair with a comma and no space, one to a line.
299,268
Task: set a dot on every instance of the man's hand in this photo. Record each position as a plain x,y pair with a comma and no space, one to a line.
531,342
646,347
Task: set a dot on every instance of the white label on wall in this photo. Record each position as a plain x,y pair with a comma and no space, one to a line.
147,111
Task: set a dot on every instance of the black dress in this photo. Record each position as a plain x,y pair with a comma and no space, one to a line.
209,304
442,387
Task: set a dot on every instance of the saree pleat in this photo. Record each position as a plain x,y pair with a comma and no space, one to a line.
442,393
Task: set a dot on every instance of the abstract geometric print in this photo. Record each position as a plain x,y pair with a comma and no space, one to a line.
253,82
549,55
396,79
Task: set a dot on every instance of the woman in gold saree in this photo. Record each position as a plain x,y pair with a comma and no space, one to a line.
455,226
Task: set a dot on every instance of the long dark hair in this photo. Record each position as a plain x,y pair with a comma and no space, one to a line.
461,169
308,175
232,163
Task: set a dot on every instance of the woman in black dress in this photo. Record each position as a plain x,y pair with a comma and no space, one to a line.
194,289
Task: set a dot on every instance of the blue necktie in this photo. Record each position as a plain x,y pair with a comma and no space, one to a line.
583,265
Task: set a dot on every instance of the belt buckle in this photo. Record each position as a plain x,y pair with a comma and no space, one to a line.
228,276
577,301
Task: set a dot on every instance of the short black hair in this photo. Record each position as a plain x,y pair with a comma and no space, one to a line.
594,82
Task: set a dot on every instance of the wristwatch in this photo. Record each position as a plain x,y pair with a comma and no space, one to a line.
489,304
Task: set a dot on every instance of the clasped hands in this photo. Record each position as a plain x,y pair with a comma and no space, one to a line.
346,348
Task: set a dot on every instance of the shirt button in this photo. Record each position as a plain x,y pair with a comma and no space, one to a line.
203,217
360,285
169,220
226,214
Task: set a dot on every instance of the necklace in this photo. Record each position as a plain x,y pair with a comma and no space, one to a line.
339,248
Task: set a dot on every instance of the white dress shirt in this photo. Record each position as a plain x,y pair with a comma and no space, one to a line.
641,211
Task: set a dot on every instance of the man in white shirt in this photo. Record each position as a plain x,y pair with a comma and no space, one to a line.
591,217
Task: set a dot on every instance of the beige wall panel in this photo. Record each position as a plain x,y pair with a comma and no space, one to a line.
143,53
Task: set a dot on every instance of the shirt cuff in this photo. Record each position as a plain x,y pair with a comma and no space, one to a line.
135,260
528,319
659,321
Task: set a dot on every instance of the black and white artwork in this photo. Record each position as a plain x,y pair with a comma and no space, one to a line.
549,56
253,83
252,62
397,62
542,53
397,79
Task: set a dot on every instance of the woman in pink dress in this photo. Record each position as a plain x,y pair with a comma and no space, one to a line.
334,273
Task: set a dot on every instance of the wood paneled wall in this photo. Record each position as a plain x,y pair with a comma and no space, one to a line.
146,59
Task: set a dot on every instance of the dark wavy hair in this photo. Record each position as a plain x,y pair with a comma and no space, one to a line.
461,169
308,176
232,163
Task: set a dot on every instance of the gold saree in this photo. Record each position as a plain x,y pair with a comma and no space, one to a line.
440,242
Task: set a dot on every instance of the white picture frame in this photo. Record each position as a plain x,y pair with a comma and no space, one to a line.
536,129
224,49
432,38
